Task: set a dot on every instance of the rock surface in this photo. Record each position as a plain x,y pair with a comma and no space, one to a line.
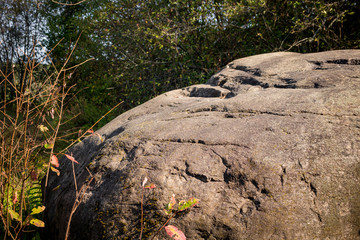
270,146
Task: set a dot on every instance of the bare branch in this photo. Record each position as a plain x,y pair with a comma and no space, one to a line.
68,4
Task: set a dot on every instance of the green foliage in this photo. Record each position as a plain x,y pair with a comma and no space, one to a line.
171,230
303,26
183,205
144,48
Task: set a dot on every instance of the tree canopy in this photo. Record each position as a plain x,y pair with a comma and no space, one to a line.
141,48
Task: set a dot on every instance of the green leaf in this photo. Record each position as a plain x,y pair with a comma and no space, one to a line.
55,171
48,146
189,203
37,222
14,215
170,205
37,210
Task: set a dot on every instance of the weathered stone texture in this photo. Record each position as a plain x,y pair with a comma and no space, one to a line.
270,146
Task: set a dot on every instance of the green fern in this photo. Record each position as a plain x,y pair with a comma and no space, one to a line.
34,196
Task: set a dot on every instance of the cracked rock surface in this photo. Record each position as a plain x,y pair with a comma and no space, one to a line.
270,146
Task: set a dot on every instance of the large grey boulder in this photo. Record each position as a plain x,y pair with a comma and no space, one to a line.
270,147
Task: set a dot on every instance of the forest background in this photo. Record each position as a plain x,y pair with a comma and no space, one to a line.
104,52
139,49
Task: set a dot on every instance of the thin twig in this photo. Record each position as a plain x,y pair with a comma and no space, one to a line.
92,126
68,4
157,232
142,213
79,195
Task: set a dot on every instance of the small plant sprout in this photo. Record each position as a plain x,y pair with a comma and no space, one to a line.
170,205
144,182
169,210
173,231
151,186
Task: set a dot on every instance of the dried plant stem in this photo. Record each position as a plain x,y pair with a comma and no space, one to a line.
112,109
168,220
142,212
79,195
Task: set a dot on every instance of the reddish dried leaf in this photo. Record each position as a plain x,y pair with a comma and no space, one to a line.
151,186
101,139
15,198
34,175
90,131
54,161
71,158
175,233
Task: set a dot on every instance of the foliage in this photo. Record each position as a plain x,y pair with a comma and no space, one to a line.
171,230
297,25
31,121
144,48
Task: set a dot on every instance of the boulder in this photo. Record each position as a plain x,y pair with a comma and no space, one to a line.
270,146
